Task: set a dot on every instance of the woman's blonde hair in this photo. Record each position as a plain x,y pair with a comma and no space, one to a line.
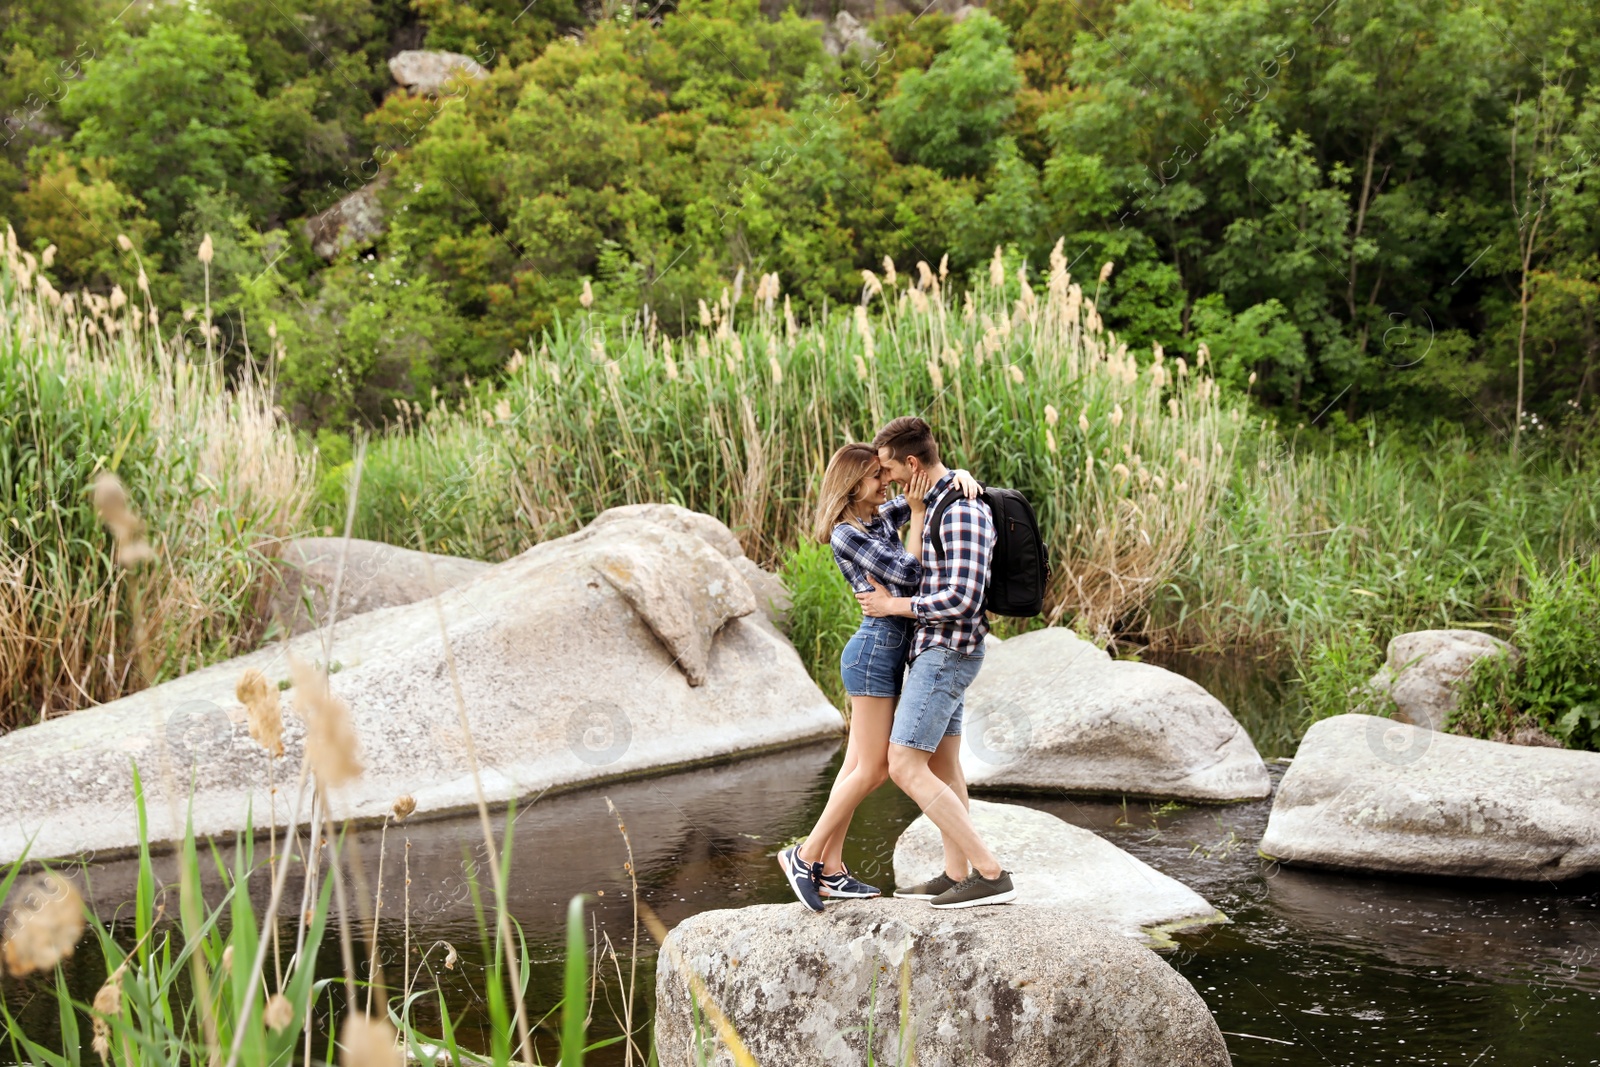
848,466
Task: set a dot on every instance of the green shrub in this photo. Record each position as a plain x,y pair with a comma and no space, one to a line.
1556,684
1334,675
822,615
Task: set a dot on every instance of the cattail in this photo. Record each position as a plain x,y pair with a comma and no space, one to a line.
1016,373
672,366
870,286
1088,466
205,250
127,529
586,298
861,367
1252,378
1200,355
1216,449
1183,367
1105,271
331,742
1120,470
791,329
48,256
261,704
705,314
144,282
45,927
227,960
1050,440
777,371
936,375
1051,415
123,242
944,266
1116,415
924,274
404,805
997,269
919,301
1083,420
888,272
969,310
107,1002
502,411
279,1012
369,1042
1172,406
118,297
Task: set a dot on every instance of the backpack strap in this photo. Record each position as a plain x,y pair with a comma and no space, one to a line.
936,515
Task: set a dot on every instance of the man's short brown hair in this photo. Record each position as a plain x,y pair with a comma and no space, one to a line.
908,436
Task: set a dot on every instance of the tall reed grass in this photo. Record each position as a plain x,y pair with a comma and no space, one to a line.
92,384
1125,455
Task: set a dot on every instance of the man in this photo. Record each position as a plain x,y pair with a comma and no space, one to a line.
946,653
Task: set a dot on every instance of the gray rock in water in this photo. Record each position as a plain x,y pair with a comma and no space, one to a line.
353,222
376,576
1014,985
1370,794
1052,712
1072,870
565,679
1424,671
428,72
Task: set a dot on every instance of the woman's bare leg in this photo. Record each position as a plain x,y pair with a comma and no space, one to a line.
866,767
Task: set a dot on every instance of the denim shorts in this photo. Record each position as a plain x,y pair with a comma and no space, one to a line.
934,701
873,662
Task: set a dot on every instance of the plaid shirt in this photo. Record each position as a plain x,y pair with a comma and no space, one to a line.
877,552
949,607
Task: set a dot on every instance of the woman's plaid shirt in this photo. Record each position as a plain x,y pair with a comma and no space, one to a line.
877,552
949,606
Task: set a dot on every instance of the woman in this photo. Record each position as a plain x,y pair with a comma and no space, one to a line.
856,516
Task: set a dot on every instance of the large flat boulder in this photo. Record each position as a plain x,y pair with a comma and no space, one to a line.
567,678
1050,712
1072,870
1424,671
1366,793
1017,985
375,575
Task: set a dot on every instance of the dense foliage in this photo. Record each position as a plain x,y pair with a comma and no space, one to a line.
1374,206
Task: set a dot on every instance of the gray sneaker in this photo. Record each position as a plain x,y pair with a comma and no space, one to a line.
975,890
927,890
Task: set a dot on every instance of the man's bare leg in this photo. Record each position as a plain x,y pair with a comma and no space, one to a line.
946,763
943,807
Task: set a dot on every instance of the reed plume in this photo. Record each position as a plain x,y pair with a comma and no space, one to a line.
44,928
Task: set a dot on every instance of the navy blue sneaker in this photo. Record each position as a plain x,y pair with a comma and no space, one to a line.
804,878
844,884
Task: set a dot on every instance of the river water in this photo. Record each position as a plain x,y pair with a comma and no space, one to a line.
1314,968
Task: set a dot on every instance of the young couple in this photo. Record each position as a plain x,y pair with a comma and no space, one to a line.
908,667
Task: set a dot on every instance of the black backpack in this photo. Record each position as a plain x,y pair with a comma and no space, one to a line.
1020,570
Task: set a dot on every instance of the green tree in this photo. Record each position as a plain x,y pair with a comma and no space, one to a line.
948,116
175,113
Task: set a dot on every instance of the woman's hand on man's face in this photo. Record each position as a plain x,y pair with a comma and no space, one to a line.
916,488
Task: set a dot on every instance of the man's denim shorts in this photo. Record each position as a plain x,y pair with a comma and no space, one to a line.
934,701
873,662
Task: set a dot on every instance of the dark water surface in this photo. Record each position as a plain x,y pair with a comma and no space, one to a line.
1314,968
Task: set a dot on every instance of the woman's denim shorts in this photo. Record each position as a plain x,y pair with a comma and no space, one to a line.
873,663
